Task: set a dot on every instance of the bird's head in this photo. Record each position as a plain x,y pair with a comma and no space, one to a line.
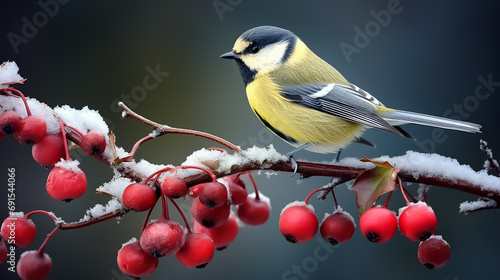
261,50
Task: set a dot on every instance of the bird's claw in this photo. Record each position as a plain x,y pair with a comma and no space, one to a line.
295,166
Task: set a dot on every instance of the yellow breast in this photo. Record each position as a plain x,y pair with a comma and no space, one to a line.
297,122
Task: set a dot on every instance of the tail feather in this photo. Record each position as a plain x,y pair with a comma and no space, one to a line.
398,117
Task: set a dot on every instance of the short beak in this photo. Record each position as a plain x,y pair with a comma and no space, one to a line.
229,55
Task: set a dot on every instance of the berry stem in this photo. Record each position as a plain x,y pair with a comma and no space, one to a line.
63,133
402,192
42,247
75,130
387,199
311,193
164,208
155,173
21,95
335,200
147,217
50,214
182,214
254,186
214,178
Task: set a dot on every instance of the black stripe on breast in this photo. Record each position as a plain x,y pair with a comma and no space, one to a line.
277,132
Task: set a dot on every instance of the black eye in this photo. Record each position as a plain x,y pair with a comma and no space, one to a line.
255,48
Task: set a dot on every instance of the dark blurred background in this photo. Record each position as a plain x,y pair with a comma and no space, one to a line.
428,57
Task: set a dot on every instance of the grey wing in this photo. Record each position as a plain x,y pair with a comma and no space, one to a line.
346,102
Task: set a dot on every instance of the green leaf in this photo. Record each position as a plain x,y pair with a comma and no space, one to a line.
373,183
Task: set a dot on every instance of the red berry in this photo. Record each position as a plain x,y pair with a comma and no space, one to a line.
378,224
34,266
298,223
238,193
254,211
213,194
93,143
434,252
66,183
31,130
9,122
134,261
174,187
222,235
209,216
198,251
417,221
162,238
338,227
139,197
3,251
19,229
49,150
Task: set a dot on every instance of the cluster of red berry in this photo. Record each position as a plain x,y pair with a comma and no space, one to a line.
417,221
214,225
65,181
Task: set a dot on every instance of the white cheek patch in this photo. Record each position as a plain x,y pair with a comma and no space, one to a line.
267,58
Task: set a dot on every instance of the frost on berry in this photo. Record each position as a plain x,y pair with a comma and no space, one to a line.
254,211
417,221
198,250
209,216
66,181
434,252
337,227
134,261
162,238
378,224
139,197
93,143
31,130
222,235
49,150
19,229
298,223
34,265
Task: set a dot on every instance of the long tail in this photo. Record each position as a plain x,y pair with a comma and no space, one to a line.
398,117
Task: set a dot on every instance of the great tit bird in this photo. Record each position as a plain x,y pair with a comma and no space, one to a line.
307,102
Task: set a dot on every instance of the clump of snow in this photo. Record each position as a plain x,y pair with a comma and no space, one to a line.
297,203
260,155
143,167
262,197
420,203
420,164
99,210
422,189
11,103
340,210
71,165
226,161
469,206
439,237
132,240
115,187
9,74
84,120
